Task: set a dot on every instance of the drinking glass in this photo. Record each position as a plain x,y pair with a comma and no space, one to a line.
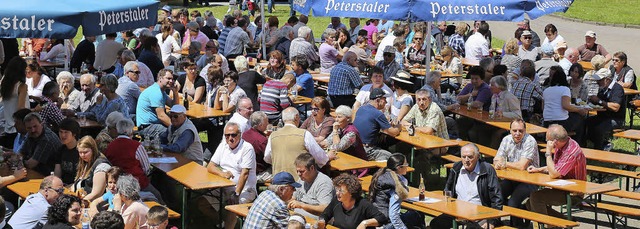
480,109
82,118
447,196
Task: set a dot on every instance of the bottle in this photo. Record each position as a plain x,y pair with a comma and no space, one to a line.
185,101
280,124
412,129
421,188
146,144
469,102
85,219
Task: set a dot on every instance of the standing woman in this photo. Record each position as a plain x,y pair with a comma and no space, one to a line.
13,92
66,158
192,84
389,188
621,72
35,79
92,169
321,122
64,213
372,33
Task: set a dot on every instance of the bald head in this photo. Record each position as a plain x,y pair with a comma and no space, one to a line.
572,55
557,132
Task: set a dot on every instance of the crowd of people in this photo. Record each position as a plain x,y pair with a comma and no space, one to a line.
125,82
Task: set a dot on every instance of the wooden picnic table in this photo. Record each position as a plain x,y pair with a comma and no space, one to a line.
629,91
423,72
167,167
320,77
470,62
586,65
346,162
502,123
197,110
242,210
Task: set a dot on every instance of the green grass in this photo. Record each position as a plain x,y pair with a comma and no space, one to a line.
609,11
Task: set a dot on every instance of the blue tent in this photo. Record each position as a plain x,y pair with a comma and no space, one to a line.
433,10
61,18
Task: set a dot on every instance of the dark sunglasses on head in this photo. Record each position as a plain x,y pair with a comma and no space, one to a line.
136,72
231,135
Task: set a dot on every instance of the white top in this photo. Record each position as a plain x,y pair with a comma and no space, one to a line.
310,143
559,39
37,89
476,47
234,160
365,91
32,212
386,41
167,46
553,110
56,54
242,122
10,106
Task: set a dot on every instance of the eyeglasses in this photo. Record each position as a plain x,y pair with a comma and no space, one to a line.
339,190
231,135
527,38
135,72
615,60
389,54
58,190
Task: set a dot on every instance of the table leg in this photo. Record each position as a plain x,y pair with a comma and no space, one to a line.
569,206
411,175
221,208
185,199
455,224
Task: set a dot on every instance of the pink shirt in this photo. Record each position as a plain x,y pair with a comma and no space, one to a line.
202,38
371,29
135,214
570,162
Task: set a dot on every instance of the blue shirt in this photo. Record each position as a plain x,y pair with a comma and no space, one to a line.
344,79
180,145
119,71
305,81
108,196
369,121
149,100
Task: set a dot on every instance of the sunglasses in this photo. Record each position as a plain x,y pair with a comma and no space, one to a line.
174,116
231,135
527,38
59,190
136,72
417,38
615,60
389,54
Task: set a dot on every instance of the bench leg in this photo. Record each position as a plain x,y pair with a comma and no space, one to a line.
185,199
569,206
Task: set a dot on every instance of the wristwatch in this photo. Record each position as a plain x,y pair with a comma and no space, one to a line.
547,155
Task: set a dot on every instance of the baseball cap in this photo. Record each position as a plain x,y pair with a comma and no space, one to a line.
167,8
178,109
389,49
547,49
590,34
526,33
282,178
601,74
376,93
562,44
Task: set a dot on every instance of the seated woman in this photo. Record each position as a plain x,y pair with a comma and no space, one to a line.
349,210
133,211
389,188
109,132
92,169
36,79
57,51
112,102
557,105
344,137
451,64
227,96
319,125
64,213
402,101
191,83
49,109
68,93
328,53
503,104
577,84
276,67
598,63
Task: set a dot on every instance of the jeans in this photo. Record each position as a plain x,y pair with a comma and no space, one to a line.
599,129
518,193
375,153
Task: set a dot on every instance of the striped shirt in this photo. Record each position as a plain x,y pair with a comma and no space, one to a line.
570,162
274,99
222,40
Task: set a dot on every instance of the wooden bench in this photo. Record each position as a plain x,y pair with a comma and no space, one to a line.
540,218
619,214
624,194
451,158
172,214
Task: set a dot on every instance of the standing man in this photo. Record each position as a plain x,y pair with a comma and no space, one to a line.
151,116
237,39
39,147
107,53
33,212
590,48
565,160
518,150
317,188
270,208
182,136
371,122
473,181
344,80
477,47
85,53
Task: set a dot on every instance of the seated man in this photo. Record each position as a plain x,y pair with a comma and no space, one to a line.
317,188
518,150
473,181
289,142
428,119
127,88
243,111
565,160
235,160
377,81
90,97
388,64
370,122
270,208
182,136
256,136
611,97
274,96
301,46
151,117
590,48
40,144
433,81
33,212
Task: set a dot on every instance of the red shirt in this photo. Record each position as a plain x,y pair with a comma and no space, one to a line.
259,142
570,162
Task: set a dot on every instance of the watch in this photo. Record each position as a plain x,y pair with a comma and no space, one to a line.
547,155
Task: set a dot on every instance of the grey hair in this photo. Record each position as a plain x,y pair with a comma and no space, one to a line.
64,75
598,62
195,47
124,127
233,124
486,62
32,116
256,118
500,82
344,110
475,148
129,66
193,25
304,31
423,92
329,32
557,132
348,55
200,21
240,63
113,118
241,100
128,55
92,77
129,187
110,82
432,77
278,189
145,33
284,31
289,114
210,21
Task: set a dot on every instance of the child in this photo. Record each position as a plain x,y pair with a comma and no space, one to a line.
106,202
296,221
158,217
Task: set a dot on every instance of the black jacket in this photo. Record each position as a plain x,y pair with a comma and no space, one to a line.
488,184
383,189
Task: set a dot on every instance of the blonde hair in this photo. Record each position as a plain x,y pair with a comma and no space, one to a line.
511,47
84,168
598,62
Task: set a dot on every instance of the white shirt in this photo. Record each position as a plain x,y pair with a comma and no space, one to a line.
476,47
242,122
36,90
467,185
365,91
553,110
559,39
234,160
386,41
33,211
309,142
168,46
